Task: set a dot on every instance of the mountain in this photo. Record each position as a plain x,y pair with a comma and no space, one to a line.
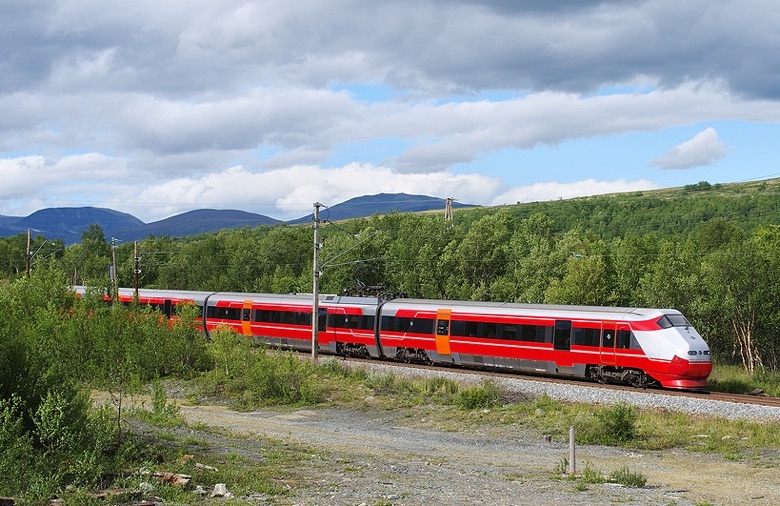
7,221
382,203
198,222
68,223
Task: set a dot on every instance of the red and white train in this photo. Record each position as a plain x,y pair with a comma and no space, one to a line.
637,346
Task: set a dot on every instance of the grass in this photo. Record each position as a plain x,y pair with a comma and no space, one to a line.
734,379
452,406
439,402
590,476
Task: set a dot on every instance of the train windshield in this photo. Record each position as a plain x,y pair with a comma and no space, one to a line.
673,320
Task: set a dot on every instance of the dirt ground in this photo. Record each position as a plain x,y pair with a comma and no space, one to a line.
376,457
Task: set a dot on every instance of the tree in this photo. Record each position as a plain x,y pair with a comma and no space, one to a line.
534,259
89,260
631,258
479,258
742,292
586,278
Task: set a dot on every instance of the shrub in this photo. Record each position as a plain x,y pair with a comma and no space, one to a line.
282,378
484,395
618,423
628,478
17,454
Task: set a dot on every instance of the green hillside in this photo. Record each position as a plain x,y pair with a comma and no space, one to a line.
675,211
711,251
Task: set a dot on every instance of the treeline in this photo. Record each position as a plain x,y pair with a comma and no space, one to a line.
711,251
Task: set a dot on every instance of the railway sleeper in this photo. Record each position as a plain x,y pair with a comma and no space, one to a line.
605,374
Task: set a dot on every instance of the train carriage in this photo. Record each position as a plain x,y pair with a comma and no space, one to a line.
630,345
638,346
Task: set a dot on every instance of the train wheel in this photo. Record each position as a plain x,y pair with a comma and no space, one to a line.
597,373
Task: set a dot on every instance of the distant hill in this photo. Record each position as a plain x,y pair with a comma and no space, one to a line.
196,222
7,221
382,203
68,223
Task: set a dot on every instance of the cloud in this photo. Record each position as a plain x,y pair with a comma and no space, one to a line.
289,193
172,105
705,148
554,191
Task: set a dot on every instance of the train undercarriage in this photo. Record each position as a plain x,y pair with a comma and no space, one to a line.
413,355
611,374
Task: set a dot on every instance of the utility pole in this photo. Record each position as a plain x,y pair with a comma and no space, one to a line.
28,252
136,268
316,284
114,283
448,211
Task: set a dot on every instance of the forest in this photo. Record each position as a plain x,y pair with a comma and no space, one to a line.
711,251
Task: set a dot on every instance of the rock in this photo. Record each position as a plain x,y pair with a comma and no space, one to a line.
220,490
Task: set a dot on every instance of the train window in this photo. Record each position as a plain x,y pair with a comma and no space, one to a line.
624,339
346,321
509,332
489,330
267,316
366,322
673,320
562,336
416,325
532,333
287,317
586,337
457,328
472,329
224,313
607,339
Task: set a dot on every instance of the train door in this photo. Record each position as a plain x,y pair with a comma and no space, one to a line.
562,335
443,331
608,340
246,317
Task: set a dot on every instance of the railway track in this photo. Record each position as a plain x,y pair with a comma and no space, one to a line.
757,399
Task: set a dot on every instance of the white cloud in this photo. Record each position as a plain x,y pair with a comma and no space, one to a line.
705,148
553,191
289,193
161,97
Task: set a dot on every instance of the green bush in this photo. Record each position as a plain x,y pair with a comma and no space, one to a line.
17,453
485,395
282,378
625,477
618,423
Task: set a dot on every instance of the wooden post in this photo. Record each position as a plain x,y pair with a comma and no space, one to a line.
572,456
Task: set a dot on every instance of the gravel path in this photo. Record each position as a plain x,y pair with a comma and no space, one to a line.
376,457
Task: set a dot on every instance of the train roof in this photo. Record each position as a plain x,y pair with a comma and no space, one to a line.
200,296
541,310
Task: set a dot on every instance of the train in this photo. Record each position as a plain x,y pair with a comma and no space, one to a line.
642,347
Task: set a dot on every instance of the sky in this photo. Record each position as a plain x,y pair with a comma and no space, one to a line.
159,107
